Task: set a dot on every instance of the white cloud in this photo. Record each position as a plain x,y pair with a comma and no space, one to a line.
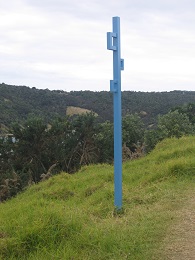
61,44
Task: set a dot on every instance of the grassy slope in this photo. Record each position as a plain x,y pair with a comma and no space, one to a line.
72,216
70,110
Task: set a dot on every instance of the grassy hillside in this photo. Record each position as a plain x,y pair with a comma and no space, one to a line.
70,111
72,216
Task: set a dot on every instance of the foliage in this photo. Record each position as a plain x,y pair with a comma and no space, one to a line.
68,143
187,109
133,130
44,136
151,138
73,217
175,124
27,149
6,153
105,142
85,127
18,102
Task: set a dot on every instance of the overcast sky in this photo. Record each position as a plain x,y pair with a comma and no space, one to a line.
61,44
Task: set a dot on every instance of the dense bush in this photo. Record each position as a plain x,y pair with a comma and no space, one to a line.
35,150
64,145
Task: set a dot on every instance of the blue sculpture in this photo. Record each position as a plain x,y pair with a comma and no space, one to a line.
113,43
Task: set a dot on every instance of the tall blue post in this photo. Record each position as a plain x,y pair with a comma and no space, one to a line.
113,43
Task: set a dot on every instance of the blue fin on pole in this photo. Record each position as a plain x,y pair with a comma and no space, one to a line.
122,64
110,37
113,86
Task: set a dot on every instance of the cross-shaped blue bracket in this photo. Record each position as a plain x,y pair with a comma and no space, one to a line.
113,44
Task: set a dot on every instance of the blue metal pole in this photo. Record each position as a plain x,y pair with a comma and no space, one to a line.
113,43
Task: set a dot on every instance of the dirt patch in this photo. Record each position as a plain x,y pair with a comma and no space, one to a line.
180,241
3,235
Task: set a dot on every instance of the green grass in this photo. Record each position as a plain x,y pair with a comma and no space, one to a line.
73,217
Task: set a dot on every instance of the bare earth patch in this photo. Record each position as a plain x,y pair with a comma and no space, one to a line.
180,241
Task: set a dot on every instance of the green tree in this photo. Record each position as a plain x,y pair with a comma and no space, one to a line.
151,138
85,130
174,124
105,142
6,154
187,109
133,131
61,145
28,148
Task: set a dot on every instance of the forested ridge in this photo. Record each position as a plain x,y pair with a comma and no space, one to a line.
18,102
38,139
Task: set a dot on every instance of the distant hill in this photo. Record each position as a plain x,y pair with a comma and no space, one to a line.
18,102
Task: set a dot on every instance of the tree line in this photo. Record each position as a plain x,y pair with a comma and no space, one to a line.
18,102
35,149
